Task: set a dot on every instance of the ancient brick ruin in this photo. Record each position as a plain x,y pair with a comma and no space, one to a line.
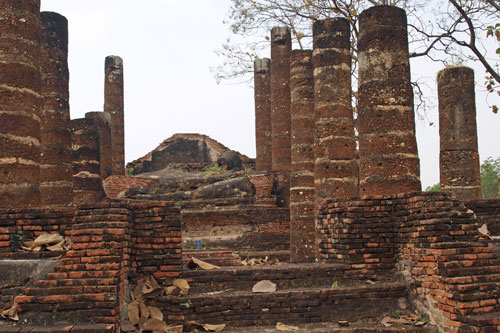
344,233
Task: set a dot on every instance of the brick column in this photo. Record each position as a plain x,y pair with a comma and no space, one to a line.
388,156
281,46
86,166
103,122
458,156
20,103
335,170
56,176
302,225
113,104
262,90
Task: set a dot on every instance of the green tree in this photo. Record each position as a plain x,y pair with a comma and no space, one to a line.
490,176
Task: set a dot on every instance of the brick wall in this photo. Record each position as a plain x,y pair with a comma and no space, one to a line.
116,184
488,212
431,240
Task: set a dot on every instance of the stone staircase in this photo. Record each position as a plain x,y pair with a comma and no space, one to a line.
315,297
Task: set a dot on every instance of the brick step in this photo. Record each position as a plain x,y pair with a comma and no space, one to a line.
214,257
70,290
457,247
82,274
301,305
76,282
469,271
330,327
489,322
286,276
64,298
469,256
63,328
471,279
459,264
88,267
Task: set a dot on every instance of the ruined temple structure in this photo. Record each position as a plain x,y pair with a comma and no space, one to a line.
323,236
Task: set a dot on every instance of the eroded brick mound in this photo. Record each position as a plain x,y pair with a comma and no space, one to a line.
183,149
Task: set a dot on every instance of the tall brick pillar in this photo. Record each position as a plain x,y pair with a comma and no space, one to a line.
103,123
86,164
263,138
458,156
388,155
56,174
302,224
20,103
281,46
335,170
113,104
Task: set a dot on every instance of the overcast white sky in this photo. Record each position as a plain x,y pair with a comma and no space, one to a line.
167,47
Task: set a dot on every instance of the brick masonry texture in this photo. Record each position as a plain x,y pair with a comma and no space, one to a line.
115,185
458,155
335,170
388,155
263,138
431,239
113,104
302,228
103,122
280,111
20,103
87,184
112,243
56,174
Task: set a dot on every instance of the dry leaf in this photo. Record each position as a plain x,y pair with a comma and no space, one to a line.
56,247
283,327
155,313
143,310
133,312
203,265
126,326
47,239
483,230
172,290
343,323
264,286
388,321
175,329
10,313
182,284
154,325
370,282
214,328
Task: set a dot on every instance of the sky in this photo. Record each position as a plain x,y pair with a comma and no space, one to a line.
168,48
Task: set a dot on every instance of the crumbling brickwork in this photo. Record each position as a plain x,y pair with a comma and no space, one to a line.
103,123
20,103
302,227
113,104
458,155
335,171
56,174
87,186
263,138
281,46
388,155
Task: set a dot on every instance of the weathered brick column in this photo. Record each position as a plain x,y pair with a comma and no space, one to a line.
281,46
113,104
56,174
335,170
20,103
86,166
263,138
103,123
388,156
302,224
458,156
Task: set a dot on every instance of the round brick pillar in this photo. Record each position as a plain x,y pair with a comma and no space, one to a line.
113,104
56,174
20,103
103,123
263,138
388,155
302,225
335,169
458,156
281,46
86,166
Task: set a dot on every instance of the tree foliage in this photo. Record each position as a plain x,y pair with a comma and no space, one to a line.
447,31
490,177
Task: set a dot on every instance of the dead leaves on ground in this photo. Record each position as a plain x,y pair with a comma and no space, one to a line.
47,242
10,313
260,261
485,233
264,286
413,319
